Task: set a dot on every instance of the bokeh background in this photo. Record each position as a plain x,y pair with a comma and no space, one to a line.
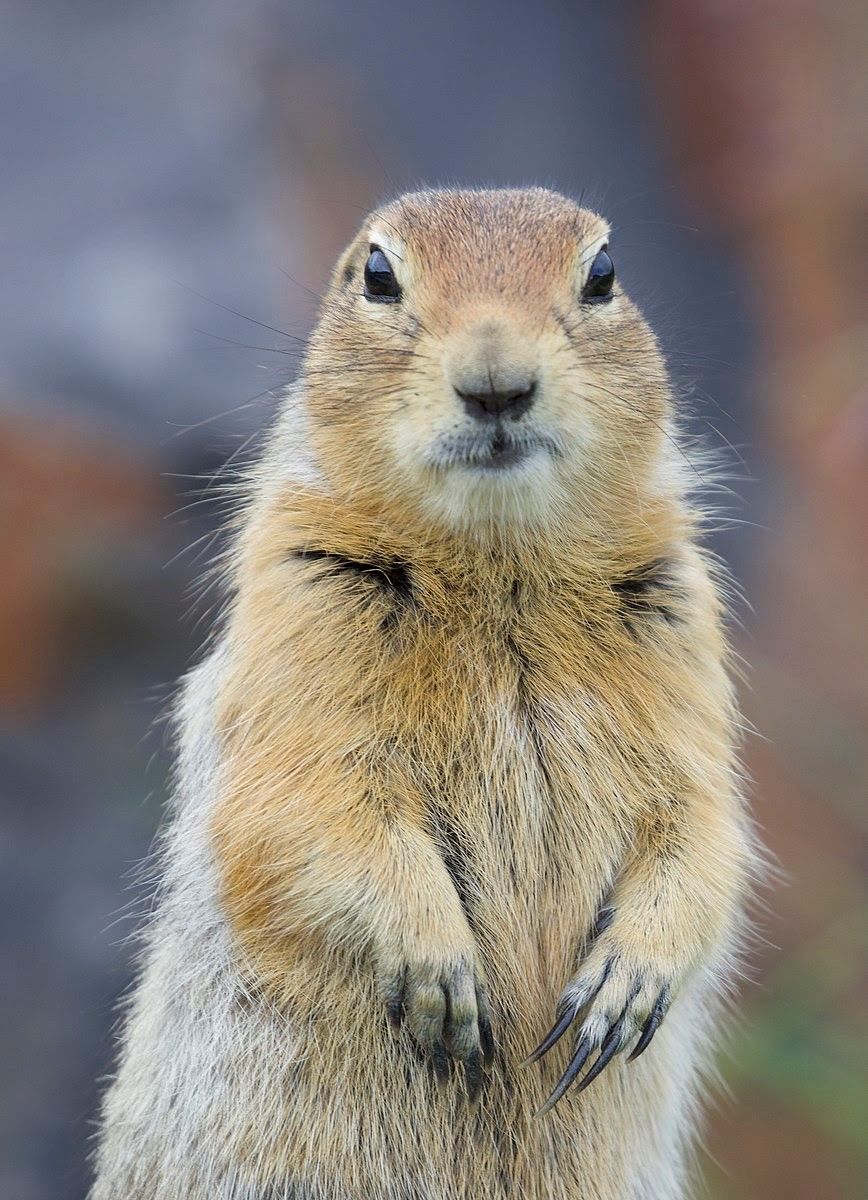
178,176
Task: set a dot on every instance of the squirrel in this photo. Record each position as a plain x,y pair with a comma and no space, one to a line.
459,829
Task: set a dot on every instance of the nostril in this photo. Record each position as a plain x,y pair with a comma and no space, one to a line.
507,402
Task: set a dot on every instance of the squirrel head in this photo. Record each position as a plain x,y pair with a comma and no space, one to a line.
476,362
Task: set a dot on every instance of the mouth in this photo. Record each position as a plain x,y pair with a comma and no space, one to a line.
490,451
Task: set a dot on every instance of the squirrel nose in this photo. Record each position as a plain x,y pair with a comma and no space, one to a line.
510,399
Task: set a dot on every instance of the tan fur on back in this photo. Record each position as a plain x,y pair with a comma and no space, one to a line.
452,713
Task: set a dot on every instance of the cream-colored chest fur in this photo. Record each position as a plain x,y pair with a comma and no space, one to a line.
520,722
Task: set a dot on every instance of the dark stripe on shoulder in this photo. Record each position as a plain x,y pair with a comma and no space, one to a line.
648,591
391,575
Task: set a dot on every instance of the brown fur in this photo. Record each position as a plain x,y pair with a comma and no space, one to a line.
447,777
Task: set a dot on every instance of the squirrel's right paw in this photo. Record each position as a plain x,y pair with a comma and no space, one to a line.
445,1005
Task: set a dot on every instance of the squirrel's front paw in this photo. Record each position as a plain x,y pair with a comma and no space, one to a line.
613,999
445,1005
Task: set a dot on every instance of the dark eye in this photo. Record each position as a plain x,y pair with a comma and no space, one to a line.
380,281
601,277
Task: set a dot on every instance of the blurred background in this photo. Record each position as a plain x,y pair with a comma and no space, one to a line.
179,176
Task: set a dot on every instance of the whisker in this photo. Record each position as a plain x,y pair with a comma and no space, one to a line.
217,337
249,403
661,429
235,313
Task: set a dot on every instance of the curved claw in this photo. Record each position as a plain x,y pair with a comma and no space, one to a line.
440,1063
580,1057
567,1016
486,1041
658,1012
607,1052
486,1035
393,997
553,1036
473,1077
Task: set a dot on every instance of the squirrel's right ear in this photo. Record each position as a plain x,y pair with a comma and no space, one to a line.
347,268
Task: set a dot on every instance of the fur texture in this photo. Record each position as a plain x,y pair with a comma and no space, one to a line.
463,757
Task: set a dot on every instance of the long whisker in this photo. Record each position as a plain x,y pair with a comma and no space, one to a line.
647,416
235,313
246,345
249,403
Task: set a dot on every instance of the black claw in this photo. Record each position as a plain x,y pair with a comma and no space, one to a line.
603,920
658,1012
580,1057
607,971
473,1077
553,1036
486,1040
394,999
567,1017
440,1061
483,1021
607,1052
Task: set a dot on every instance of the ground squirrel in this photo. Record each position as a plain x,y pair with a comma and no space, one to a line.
458,777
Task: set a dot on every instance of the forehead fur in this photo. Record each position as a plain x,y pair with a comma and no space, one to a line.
485,236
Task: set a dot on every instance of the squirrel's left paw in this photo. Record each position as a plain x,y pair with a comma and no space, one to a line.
610,1002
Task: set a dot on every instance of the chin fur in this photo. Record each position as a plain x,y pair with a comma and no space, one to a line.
473,494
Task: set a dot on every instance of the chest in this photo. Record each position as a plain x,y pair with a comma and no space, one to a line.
530,711
531,748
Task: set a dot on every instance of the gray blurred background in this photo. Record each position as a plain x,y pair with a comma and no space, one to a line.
178,178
